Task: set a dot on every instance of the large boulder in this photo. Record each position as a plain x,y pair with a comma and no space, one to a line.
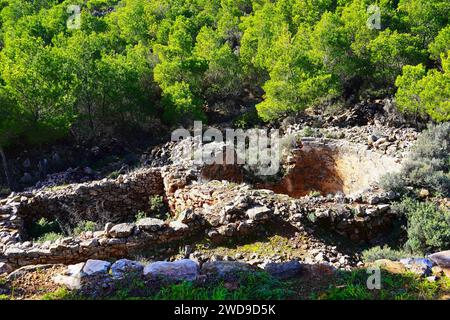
442,259
181,270
95,267
225,269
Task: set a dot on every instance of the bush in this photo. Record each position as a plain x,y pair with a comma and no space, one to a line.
377,253
428,226
51,236
428,165
84,226
43,229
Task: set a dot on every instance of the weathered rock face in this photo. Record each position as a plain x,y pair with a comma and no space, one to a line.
330,166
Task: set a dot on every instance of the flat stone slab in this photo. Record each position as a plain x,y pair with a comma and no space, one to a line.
93,267
181,270
150,224
121,230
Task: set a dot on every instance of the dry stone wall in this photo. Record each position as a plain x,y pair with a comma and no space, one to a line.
218,210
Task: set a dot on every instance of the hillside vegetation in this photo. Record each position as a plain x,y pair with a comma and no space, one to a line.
132,60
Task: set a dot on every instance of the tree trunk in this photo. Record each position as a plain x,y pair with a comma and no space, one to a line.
5,167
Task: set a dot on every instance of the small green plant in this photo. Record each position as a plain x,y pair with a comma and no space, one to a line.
58,294
307,132
51,236
314,194
140,215
113,175
84,226
156,203
247,120
377,253
4,297
44,230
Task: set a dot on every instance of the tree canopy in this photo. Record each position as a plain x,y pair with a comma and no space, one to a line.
132,60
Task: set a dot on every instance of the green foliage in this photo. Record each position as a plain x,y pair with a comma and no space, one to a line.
428,164
258,286
51,236
58,294
174,58
43,229
428,226
377,253
84,226
353,286
156,203
425,93
140,215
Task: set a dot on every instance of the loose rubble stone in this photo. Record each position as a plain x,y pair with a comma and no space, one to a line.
181,270
125,266
258,213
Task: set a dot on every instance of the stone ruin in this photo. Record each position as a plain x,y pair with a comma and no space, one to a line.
213,202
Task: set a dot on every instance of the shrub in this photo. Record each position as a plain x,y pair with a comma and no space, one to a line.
51,236
428,165
84,226
377,253
44,228
140,215
428,226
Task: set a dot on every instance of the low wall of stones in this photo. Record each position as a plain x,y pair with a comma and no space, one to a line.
107,200
235,208
116,241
